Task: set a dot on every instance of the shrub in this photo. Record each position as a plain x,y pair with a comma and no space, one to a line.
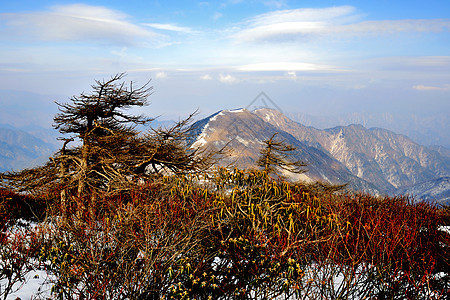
18,240
243,235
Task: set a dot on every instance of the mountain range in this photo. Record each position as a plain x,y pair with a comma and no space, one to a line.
20,149
423,129
32,145
374,160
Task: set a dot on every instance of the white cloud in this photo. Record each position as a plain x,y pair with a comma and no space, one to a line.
358,87
292,75
227,78
286,66
15,70
125,55
275,3
78,22
421,87
302,14
169,27
217,16
343,20
393,26
206,77
437,64
287,22
161,75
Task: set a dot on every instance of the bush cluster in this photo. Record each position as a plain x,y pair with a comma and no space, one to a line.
237,235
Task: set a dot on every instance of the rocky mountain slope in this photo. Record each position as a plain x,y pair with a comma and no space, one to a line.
374,160
433,190
422,128
368,159
243,133
382,157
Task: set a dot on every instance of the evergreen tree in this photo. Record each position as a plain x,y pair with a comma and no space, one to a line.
110,153
275,157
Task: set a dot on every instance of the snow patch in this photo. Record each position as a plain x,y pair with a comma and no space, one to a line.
445,228
221,113
338,143
242,141
36,284
199,143
201,140
295,177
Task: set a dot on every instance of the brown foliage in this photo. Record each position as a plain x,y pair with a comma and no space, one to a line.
132,217
244,235
275,157
112,155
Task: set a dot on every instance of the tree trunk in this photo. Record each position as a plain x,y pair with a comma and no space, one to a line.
84,159
62,175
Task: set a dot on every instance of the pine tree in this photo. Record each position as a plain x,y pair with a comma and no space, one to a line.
110,153
274,157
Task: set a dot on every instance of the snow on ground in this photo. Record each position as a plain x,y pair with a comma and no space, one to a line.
237,110
445,228
242,141
37,285
201,141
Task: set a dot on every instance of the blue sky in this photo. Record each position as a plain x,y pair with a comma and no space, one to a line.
312,56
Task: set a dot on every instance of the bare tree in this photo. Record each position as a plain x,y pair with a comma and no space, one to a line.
275,156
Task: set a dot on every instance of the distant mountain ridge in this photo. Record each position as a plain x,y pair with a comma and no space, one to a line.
437,189
378,155
244,132
19,149
368,159
423,129
374,160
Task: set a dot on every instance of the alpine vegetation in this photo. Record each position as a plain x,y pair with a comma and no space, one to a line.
119,213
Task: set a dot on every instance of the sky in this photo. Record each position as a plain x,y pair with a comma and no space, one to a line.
319,57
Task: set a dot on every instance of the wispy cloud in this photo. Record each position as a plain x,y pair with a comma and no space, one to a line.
216,16
231,53
275,3
161,75
79,22
436,64
287,22
342,20
421,87
392,26
289,66
227,78
169,27
206,77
